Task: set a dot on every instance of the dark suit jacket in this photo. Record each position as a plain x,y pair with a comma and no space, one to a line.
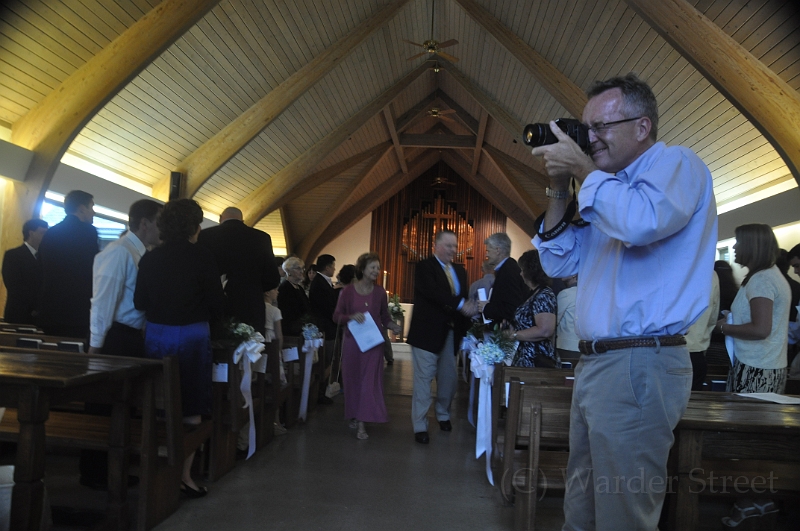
67,254
435,310
244,254
322,298
508,292
22,275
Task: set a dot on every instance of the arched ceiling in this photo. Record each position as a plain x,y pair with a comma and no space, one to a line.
307,113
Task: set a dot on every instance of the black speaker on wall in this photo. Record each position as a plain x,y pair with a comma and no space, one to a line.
175,185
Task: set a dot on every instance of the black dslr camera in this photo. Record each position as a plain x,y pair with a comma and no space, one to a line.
540,134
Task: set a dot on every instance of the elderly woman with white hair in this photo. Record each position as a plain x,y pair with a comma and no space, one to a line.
292,299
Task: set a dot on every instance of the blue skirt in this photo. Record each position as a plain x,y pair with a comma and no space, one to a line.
191,344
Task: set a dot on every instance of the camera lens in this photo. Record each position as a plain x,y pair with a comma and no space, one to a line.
538,135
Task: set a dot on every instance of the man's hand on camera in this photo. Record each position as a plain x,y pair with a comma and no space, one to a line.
564,160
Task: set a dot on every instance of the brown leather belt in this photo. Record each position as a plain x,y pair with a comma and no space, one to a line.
604,345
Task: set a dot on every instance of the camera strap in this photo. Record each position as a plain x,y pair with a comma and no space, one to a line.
565,222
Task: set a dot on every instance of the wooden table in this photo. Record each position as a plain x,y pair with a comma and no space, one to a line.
753,442
33,382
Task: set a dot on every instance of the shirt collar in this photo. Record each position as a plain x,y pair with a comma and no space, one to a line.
137,243
31,249
326,277
446,266
500,263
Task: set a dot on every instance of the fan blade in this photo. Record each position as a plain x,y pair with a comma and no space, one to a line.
445,44
418,55
448,57
414,43
447,111
446,118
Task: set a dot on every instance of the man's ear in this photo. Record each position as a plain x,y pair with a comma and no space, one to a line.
643,128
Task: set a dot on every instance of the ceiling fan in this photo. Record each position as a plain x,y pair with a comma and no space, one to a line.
433,47
435,112
441,181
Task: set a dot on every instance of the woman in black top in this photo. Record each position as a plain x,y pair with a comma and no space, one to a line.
179,290
535,319
292,299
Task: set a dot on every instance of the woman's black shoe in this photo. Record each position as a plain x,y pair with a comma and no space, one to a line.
192,493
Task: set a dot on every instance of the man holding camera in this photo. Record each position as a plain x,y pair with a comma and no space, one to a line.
645,260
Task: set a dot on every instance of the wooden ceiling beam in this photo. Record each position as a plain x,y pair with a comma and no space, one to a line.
326,174
398,147
770,104
49,128
476,155
438,141
415,112
262,201
521,167
533,208
565,92
469,121
339,203
373,199
223,146
506,204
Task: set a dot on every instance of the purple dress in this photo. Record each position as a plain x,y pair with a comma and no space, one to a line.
362,372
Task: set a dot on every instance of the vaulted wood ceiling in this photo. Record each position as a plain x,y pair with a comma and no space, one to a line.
308,115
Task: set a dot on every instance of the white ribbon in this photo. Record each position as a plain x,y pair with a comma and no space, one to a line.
247,353
483,439
310,347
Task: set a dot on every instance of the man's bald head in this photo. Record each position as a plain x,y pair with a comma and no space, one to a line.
231,213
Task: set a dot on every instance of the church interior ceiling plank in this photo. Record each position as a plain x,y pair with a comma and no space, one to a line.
49,127
401,158
761,95
438,141
219,149
415,112
556,83
261,202
506,205
530,172
340,202
476,155
370,202
468,120
320,177
287,230
499,163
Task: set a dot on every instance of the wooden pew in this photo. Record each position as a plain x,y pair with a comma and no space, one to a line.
160,476
277,395
230,416
532,375
535,457
295,371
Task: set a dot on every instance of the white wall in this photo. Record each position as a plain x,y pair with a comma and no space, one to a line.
520,240
352,243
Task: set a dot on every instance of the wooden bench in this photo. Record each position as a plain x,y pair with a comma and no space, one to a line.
295,371
535,457
160,477
230,416
37,340
533,375
278,395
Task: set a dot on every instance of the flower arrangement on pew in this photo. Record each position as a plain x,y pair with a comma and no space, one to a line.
250,344
396,312
310,331
487,348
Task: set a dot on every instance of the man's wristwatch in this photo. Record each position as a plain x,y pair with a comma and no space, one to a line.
556,194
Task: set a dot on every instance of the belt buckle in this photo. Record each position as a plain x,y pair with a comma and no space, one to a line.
603,348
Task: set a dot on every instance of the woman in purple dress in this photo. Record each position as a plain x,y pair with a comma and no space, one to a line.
362,372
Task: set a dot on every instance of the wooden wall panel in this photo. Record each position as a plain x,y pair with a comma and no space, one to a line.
388,220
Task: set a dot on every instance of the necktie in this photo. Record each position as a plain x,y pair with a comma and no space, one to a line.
450,279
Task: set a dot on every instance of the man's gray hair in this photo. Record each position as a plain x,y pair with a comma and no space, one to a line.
292,262
501,241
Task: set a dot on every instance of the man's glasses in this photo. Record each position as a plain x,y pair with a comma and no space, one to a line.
604,126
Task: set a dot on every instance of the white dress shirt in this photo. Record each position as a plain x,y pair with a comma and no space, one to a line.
113,283
645,261
565,334
31,249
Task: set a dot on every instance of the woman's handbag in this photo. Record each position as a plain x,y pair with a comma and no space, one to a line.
333,387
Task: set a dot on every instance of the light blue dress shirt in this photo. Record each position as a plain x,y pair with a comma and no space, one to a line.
645,262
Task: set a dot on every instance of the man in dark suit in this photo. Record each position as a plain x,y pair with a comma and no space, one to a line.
437,326
22,274
67,254
244,257
509,290
322,299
